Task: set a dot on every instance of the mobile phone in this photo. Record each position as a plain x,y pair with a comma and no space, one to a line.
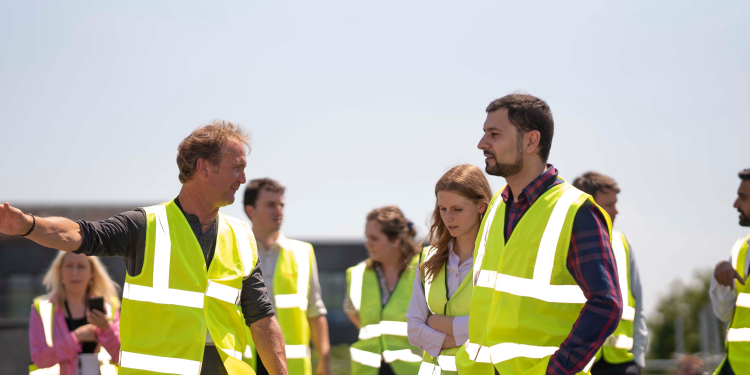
96,303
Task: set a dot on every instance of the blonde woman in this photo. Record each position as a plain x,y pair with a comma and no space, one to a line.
378,294
67,336
438,316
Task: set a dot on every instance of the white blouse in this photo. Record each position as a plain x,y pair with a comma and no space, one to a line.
420,334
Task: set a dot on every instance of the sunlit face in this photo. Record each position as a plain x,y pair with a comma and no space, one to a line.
76,272
460,215
226,178
502,145
268,211
380,248
742,203
607,200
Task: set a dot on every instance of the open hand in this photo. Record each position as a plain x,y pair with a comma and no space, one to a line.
98,319
725,274
85,333
13,221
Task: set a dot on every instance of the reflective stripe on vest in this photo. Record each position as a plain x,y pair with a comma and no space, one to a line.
617,348
621,258
383,333
291,287
738,335
168,294
539,286
445,363
383,328
355,290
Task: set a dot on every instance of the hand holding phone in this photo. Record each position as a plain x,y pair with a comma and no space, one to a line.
96,303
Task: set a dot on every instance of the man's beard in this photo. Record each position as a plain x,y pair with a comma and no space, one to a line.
744,220
507,170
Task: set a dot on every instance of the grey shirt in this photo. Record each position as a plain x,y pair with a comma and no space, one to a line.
124,235
640,331
268,259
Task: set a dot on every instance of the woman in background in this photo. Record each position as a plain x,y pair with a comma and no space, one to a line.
438,316
378,294
64,334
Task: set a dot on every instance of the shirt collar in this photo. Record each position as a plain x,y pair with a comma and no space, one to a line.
281,242
534,190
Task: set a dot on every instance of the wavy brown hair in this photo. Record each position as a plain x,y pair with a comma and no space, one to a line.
208,142
467,181
396,227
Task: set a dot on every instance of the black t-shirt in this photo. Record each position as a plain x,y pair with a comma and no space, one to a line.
124,235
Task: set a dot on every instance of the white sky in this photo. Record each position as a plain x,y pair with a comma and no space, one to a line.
355,105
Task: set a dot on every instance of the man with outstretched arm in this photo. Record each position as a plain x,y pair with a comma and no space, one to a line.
545,281
193,279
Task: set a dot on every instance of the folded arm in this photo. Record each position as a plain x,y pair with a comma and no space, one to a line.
419,332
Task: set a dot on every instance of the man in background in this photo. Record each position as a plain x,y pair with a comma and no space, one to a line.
291,276
624,351
730,296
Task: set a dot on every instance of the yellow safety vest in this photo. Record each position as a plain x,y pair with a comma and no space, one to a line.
383,332
291,286
738,336
524,301
168,307
617,348
46,311
436,294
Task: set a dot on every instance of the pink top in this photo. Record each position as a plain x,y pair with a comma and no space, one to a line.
66,347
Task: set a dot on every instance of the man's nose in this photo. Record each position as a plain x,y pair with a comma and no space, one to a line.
242,178
482,144
737,203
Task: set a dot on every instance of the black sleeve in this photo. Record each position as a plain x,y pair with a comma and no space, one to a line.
254,300
122,235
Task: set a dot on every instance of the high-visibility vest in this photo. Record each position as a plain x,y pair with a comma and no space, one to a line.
291,286
167,308
46,311
383,331
524,301
738,336
436,295
618,347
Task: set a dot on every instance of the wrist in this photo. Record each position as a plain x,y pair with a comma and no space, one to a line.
29,226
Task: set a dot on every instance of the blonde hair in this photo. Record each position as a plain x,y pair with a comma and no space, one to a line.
101,284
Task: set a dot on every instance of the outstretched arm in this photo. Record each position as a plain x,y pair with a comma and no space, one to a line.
53,232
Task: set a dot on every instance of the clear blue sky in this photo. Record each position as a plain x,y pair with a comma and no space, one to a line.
355,105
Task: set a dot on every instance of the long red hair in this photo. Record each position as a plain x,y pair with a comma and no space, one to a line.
468,181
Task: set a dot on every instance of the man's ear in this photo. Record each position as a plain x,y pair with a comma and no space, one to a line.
201,166
531,141
249,211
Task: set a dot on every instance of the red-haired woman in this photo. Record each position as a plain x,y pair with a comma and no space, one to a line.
438,316
378,293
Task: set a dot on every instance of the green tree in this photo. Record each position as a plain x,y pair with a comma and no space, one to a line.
686,301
